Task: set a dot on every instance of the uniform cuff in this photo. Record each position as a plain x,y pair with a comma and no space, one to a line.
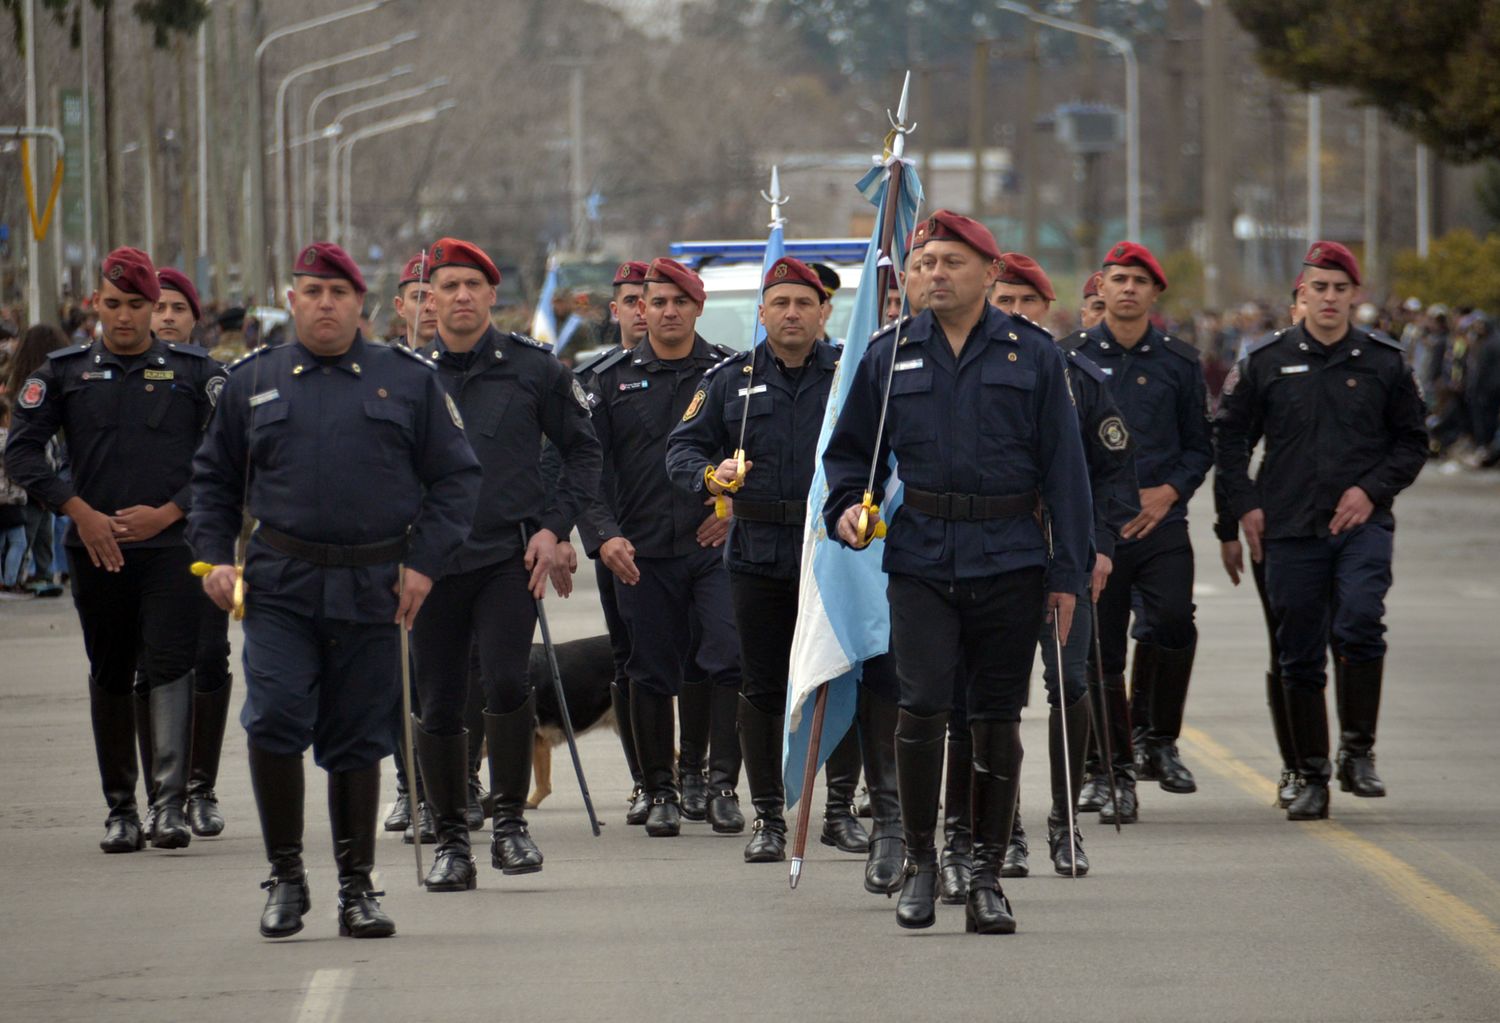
1067,581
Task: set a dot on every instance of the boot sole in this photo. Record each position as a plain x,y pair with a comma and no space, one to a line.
1307,816
761,858
172,840
1011,872
916,925
863,850
663,832
451,886
1179,788
283,934
971,927
345,932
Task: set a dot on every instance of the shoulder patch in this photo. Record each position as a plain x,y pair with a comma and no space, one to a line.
533,342
1113,435
213,387
458,420
737,357
1180,348
33,391
63,353
696,405
193,350
1086,365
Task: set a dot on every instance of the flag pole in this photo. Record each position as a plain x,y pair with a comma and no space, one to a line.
809,776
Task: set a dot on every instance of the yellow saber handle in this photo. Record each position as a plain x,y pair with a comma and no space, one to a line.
203,568
721,503
868,507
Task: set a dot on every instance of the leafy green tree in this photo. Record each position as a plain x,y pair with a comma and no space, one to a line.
1461,269
1433,66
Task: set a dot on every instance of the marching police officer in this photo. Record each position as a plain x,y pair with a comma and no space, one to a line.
652,538
328,570
1092,310
629,314
177,312
512,392
980,420
1157,383
1024,289
1342,419
133,407
777,395
413,301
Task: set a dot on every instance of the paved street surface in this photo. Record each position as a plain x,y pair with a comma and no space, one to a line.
1214,907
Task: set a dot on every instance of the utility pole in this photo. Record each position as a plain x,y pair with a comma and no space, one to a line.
34,310
88,151
1314,167
1175,200
113,190
979,89
575,151
1218,275
1424,201
1372,195
1031,166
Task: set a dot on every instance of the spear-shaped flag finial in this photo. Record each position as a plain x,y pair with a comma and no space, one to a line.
899,128
776,199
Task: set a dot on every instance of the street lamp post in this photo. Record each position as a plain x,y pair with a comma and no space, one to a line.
346,148
255,256
150,183
309,174
282,257
1123,47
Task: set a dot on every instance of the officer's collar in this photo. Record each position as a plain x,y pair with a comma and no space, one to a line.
1150,341
644,354
823,356
489,340
154,355
352,361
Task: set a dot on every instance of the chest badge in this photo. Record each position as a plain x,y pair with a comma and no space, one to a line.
745,391
696,405
1294,369
263,397
906,364
635,385
160,374
100,374
1141,379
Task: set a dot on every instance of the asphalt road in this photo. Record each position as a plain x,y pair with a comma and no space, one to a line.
1213,907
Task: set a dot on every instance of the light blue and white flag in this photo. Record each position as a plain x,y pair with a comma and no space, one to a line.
842,615
543,323
775,249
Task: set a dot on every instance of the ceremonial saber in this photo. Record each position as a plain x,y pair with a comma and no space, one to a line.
1109,752
407,740
809,776
562,700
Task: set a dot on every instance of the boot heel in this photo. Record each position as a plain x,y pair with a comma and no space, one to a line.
971,926
343,927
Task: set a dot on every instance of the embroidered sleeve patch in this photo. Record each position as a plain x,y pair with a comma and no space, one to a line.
579,395
695,405
1113,435
32,393
213,389
458,420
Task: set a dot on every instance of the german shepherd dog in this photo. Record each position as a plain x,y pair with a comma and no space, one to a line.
587,667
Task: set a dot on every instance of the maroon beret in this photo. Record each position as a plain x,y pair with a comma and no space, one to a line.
1332,256
325,259
947,226
668,271
457,252
1016,268
1296,287
630,272
415,271
131,271
171,279
1132,254
1091,286
787,270
912,244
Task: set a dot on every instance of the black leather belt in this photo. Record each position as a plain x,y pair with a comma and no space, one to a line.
971,507
329,555
778,513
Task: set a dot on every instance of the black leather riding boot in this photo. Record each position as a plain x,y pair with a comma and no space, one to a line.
996,785
475,809
841,829
640,804
1308,709
1068,858
760,742
919,779
353,806
142,706
723,807
1174,670
1359,711
399,819
171,739
695,723
279,787
445,765
655,734
113,717
210,715
886,861
510,738
1117,720
1142,679
957,862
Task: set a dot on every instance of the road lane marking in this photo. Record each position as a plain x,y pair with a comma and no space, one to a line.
323,1001
1461,922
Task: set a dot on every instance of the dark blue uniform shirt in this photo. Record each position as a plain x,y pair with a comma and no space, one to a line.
132,424
512,392
785,416
997,421
637,398
366,449
1110,452
1158,387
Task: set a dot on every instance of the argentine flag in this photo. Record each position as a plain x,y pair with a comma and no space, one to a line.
543,323
842,615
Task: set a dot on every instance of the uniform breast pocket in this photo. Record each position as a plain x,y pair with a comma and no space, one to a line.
172,410
268,429
485,420
1290,401
391,425
911,421
1359,396
646,412
98,400
1009,396
760,423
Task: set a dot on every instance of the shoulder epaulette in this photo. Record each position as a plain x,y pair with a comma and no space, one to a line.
1087,365
63,353
1265,342
889,327
1381,337
413,356
610,359
587,366
729,361
1180,348
1075,339
723,350
533,342
193,350
1032,323
237,363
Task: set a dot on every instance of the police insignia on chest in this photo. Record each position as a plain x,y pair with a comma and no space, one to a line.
695,405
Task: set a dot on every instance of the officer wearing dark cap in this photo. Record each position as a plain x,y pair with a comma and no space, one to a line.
353,462
673,580
983,427
512,393
778,392
629,315
133,407
1342,420
1157,383
177,313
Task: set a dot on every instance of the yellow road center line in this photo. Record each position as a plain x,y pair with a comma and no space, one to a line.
1461,922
